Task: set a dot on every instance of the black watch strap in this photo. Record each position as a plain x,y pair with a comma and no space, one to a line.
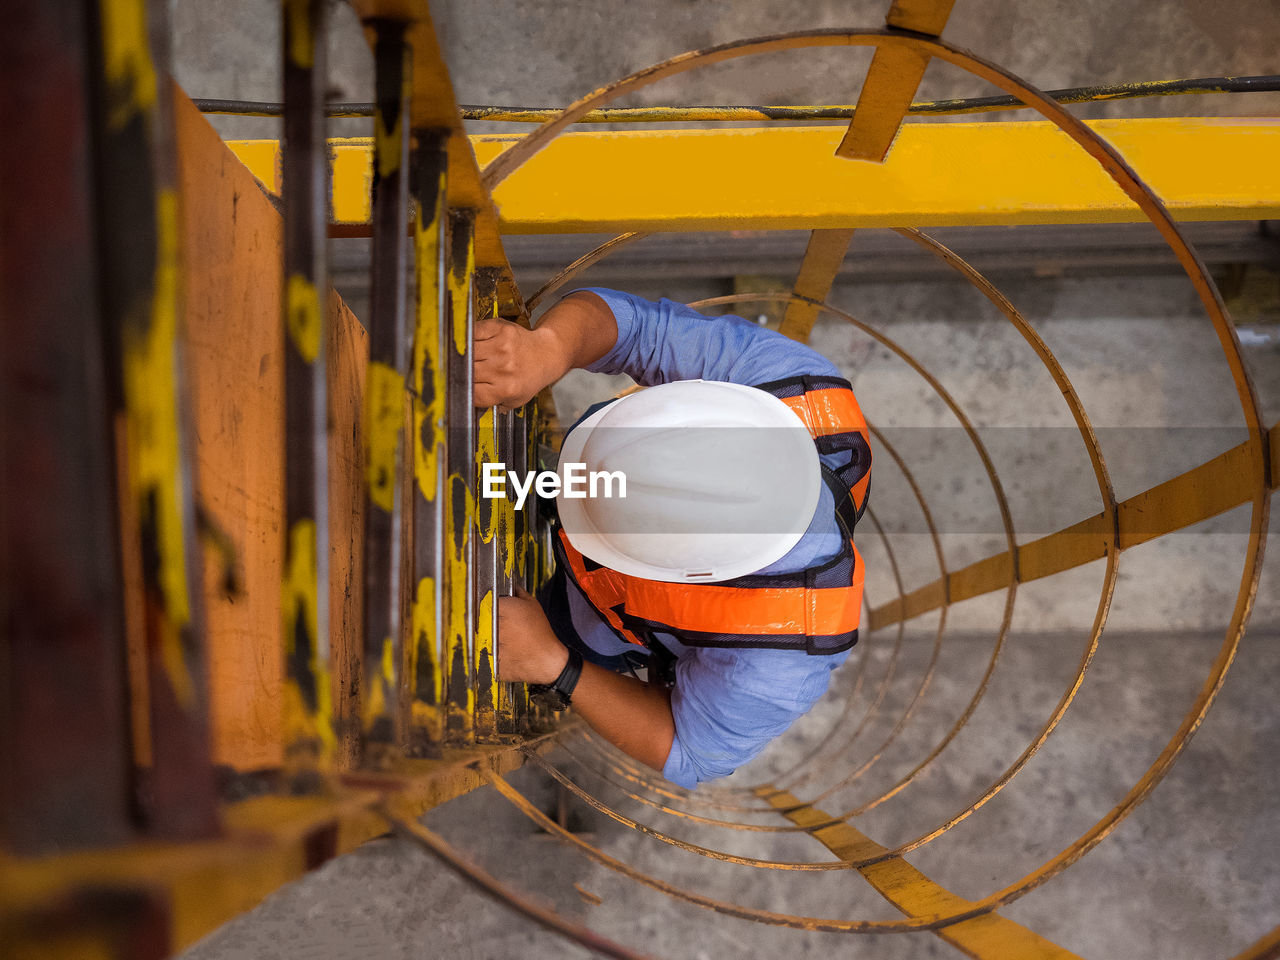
560,692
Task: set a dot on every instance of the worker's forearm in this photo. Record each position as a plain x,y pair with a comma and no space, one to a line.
632,715
578,330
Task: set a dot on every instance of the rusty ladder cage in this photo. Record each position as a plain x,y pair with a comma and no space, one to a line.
233,513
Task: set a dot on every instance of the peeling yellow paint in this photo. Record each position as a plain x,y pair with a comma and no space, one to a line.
459,642
126,54
460,297
381,693
151,399
429,406
425,636
486,452
384,415
302,316
301,592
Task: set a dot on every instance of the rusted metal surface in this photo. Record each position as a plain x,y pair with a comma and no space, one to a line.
385,396
310,741
139,267
510,695
64,753
268,841
459,701
485,558
433,106
425,678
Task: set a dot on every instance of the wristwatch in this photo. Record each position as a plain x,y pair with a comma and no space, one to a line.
557,695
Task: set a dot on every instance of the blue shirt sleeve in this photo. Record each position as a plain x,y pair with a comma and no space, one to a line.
727,704
665,341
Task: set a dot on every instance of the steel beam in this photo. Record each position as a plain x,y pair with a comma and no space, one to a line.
460,512
309,740
939,175
887,91
64,744
385,400
954,174
139,263
485,562
425,637
268,842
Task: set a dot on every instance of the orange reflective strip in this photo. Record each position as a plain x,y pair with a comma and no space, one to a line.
708,608
602,588
828,411
860,490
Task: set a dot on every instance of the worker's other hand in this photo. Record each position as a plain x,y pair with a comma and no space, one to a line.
513,363
528,650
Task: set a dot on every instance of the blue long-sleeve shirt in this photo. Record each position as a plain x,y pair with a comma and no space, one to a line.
727,703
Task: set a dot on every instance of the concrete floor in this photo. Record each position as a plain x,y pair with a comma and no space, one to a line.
1192,873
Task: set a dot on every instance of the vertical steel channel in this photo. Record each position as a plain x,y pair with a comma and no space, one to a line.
138,230
309,736
424,730
486,544
460,418
508,693
64,748
519,564
385,394
538,717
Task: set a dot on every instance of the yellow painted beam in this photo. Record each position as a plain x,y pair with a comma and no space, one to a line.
952,174
938,175
986,937
818,269
891,82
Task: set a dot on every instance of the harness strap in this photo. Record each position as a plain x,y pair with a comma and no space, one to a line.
816,610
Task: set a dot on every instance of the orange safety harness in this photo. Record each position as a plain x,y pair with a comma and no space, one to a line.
816,610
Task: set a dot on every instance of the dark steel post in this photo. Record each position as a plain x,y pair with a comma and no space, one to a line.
64,744
460,417
486,543
385,395
425,726
309,736
138,230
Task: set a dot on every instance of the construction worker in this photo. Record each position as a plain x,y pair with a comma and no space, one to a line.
728,569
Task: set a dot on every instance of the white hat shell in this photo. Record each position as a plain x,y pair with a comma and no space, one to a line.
721,481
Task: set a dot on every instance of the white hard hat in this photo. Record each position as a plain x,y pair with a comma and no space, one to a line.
721,481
